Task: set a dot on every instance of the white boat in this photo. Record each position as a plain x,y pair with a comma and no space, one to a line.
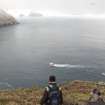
57,65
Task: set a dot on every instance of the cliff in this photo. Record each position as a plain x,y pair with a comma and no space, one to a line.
6,19
74,93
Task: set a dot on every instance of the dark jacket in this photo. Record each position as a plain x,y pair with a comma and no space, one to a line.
45,97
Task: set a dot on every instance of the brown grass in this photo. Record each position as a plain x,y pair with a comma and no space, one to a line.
73,92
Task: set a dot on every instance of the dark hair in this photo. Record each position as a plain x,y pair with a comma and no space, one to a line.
52,78
94,91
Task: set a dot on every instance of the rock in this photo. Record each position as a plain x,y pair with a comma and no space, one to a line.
6,19
99,102
101,83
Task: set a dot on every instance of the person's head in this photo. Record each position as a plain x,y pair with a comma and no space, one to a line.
94,90
52,79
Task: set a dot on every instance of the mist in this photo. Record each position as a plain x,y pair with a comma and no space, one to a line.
66,7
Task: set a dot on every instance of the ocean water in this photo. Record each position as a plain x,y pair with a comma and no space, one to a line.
27,49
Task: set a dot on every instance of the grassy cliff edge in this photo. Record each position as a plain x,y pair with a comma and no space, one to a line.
73,92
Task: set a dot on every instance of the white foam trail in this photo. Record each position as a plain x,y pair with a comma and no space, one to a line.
65,65
103,74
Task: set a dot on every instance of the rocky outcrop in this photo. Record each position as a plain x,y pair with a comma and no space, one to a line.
6,19
99,102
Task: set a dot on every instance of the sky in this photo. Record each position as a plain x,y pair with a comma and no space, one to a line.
66,7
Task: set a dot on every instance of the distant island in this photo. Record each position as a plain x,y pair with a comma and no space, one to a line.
34,14
6,19
21,15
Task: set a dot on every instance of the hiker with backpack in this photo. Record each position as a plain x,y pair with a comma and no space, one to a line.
52,94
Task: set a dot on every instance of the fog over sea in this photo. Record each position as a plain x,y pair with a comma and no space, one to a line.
27,49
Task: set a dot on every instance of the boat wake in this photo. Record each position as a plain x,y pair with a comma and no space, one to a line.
51,64
103,74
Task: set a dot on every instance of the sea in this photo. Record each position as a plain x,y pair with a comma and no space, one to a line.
27,49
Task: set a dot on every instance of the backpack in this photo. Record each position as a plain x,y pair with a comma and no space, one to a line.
54,95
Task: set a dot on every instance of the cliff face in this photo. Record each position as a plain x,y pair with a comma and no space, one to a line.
6,19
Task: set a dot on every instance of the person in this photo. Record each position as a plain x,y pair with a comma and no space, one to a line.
52,94
95,95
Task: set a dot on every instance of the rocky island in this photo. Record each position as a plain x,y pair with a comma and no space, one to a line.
34,14
74,93
6,19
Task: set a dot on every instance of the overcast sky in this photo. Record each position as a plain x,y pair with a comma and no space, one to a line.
57,6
